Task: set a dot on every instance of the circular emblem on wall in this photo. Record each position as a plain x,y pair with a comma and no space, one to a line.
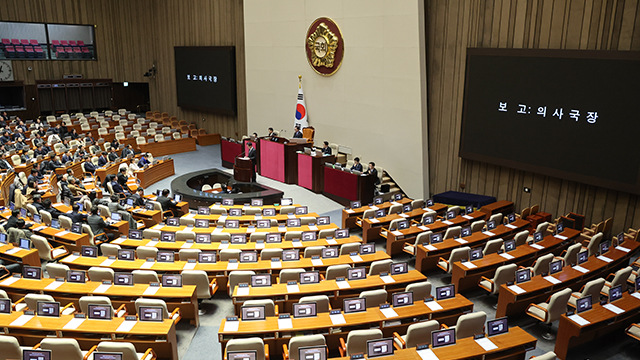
324,46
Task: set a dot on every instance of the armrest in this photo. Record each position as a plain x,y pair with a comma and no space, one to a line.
69,305
285,352
17,302
444,326
174,312
610,276
93,348
483,278
276,309
541,308
576,296
397,337
443,259
266,351
149,352
321,277
36,346
342,348
122,307
59,247
213,286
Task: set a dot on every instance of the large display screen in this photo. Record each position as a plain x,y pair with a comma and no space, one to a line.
564,113
206,78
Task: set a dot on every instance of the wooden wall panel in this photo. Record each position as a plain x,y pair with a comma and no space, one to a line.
133,35
453,26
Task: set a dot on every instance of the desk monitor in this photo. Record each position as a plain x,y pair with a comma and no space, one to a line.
342,233
32,272
369,248
165,256
378,200
286,202
48,308
273,238
538,236
116,217
173,221
491,224
203,238
304,310
80,206
323,220
355,204
523,275
583,304
397,196
294,223
451,214
310,277
497,326
435,238
604,246
379,347
354,305
76,228
76,276
620,238
202,223
37,218
99,312
357,273
235,212
126,254
248,256
291,255
402,299
150,313
269,212
129,202
252,313
167,236
5,306
227,202
172,280
149,206
615,293
430,202
398,268
56,224
468,209
263,224
23,213
559,227
260,280
309,236
509,245
403,224
332,252
476,254
203,210
238,239
381,213
555,267
177,198
232,224
465,231
302,210
445,292
101,355
122,278
207,257
443,337
312,352
242,355
256,202
428,219
25,244
511,217
3,238
406,208
583,256
36,354
135,234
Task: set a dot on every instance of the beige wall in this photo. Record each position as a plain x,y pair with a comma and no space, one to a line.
374,103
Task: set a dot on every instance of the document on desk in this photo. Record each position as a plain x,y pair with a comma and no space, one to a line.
317,262
579,320
147,265
190,216
189,266
216,231
222,217
447,222
231,326
102,288
39,228
507,256
23,319
387,279
604,258
517,289
232,266
186,245
337,319
488,233
54,285
374,220
73,323
285,323
343,284
223,246
151,290
332,241
427,354
561,237
276,264
621,248
107,262
396,233
552,280
291,216
431,247
152,243
636,295
389,312
350,211
313,228
469,265
536,246
71,258
423,228
10,281
157,227
373,208
486,344
62,233
462,241
242,291
12,250
433,305
293,288
126,326
581,269
260,245
356,258
118,241
403,215
467,217
511,226
613,308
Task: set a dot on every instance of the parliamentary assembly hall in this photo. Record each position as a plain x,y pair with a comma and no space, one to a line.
319,180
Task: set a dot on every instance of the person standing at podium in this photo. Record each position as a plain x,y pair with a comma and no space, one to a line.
254,160
297,134
372,171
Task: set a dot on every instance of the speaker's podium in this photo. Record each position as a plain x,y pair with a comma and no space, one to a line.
242,169
279,158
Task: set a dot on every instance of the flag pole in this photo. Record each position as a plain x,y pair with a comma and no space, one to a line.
299,81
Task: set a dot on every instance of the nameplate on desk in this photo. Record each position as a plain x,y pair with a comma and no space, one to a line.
293,288
431,247
536,246
62,233
355,257
581,269
350,211
561,237
285,322
469,217
423,228
232,265
342,283
517,289
39,228
107,262
152,243
189,266
486,344
427,354
296,243
403,215
186,245
507,256
622,249
276,263
636,295
387,311
316,262
102,288
604,258
54,285
613,308
488,233
313,228
552,280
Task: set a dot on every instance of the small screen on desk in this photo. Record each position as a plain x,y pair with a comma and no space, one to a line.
443,337
555,267
378,200
583,304
260,280
3,238
165,256
301,210
150,313
379,347
559,227
25,244
227,202
331,252
263,224
435,238
203,210
89,251
323,220
232,224
428,219
304,309
48,308
538,236
99,312
354,305
403,224
256,202
242,355
76,276
207,257
497,326
167,236
357,273
313,353
172,280
291,255
177,198
369,248
129,202
148,206
451,214
294,223
36,354
406,208
615,293
310,277
273,238
465,231
203,238
445,292
342,233
475,254
355,204
286,202
468,209
126,254
56,224
399,268
5,306
173,222
269,212
115,217
511,218
202,223
402,299
100,355
604,246
381,213
397,196
253,313
235,212
523,275
248,256
309,235
76,228
238,239
37,218
135,234
509,245
123,279
491,224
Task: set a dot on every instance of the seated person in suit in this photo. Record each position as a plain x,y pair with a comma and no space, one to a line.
40,151
128,150
34,176
122,176
166,203
98,226
138,197
74,134
271,133
117,188
76,191
67,157
76,216
88,139
88,165
55,163
102,160
19,134
356,165
5,138
70,176
114,205
31,193
297,134
326,150
143,161
12,220
46,204
80,153
115,143
4,162
113,154
373,172
53,138
21,145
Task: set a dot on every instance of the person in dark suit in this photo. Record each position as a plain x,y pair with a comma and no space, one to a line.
297,134
47,206
128,150
117,188
74,134
166,203
113,155
326,150
143,161
356,165
102,160
97,225
254,160
12,220
76,216
4,163
373,172
66,157
138,197
5,138
88,165
122,177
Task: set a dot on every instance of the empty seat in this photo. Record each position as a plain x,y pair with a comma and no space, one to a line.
63,348
492,246
374,298
348,248
270,308
312,251
593,288
127,349
321,301
145,277
175,315
237,277
541,265
85,301
45,251
56,270
418,333
420,290
504,274
100,274
357,341
146,252
109,249
422,238
478,225
268,254
550,311
10,347
189,254
453,232
336,271
292,351
619,278
456,255
287,275
228,254
248,344
470,324
380,266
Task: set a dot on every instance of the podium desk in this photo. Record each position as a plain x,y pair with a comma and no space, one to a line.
242,171
503,206
310,171
207,139
279,160
467,278
427,255
168,147
155,172
538,289
343,187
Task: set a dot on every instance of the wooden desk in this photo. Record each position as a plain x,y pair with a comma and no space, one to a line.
311,171
208,139
371,227
279,160
503,206
161,336
5,184
22,256
601,322
169,147
185,297
538,289
102,172
349,216
396,240
344,187
229,149
512,345
269,330
246,219
244,230
427,256
154,173
71,241
75,167
524,255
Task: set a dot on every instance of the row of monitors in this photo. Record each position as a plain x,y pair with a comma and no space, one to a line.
80,276
382,347
298,210
46,355
270,238
260,223
378,200
22,243
254,202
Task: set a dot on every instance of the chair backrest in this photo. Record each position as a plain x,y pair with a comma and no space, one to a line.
420,290
100,273
571,256
504,274
296,342
542,227
374,298
594,243
557,305
43,247
621,278
322,302
593,288
357,340
289,275
380,266
269,305
46,217
10,348
145,252
199,279
86,229
228,254
268,254
420,333
521,237
453,231
348,248
492,246
525,212
477,225
141,140
324,233
313,251
470,324
32,299
184,235
336,271
85,301
189,254
248,344
459,253
62,348
56,270
239,276
542,264
369,214
145,276
535,209
497,218
289,235
65,221
153,302
109,249
417,203
104,210
546,356
395,209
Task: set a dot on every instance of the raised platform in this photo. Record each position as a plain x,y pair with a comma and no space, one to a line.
190,185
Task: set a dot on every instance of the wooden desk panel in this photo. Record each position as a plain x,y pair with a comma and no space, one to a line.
503,206
71,241
244,230
102,172
311,171
208,139
280,218
155,173
343,187
24,257
371,227
169,147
